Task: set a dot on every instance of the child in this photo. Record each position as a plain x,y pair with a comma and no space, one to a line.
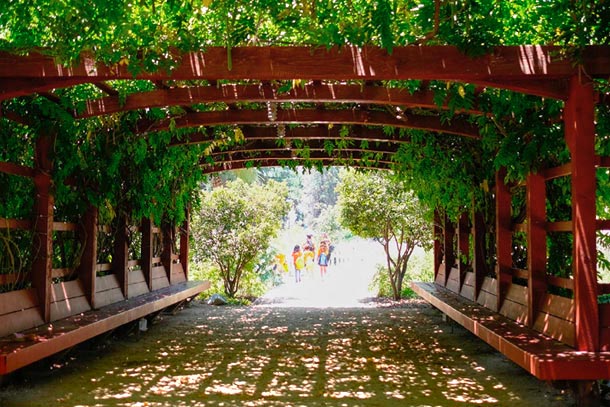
323,258
297,261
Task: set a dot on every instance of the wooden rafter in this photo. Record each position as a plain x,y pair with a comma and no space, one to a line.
312,116
311,93
503,65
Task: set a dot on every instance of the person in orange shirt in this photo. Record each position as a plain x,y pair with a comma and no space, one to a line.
298,262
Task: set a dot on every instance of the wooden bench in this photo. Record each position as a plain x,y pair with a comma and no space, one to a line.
23,348
542,356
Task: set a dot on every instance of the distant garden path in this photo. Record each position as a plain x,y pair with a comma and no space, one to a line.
402,355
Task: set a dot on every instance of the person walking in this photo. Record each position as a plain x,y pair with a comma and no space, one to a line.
323,258
298,262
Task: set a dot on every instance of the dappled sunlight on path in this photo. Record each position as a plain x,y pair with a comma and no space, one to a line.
272,356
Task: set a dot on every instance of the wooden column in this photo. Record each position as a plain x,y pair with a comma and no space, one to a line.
580,136
438,235
43,225
184,245
88,262
147,251
167,252
463,246
536,244
504,238
448,247
121,256
478,262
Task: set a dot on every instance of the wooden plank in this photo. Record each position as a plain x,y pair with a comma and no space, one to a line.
517,293
603,224
520,273
137,289
536,243
15,169
43,224
160,279
556,328
108,282
18,300
564,226
463,246
61,273
579,125
64,227
604,316
68,307
305,116
233,93
12,278
108,297
514,311
478,262
437,232
488,300
561,307
560,282
49,339
147,251
542,356
178,275
66,290
504,237
19,321
87,268
120,256
15,224
133,263
449,260
440,275
453,281
556,172
184,244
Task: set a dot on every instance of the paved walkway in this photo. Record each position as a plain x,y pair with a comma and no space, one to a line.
336,351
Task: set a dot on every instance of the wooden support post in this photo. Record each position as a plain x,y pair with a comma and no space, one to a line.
478,262
536,244
88,262
167,252
448,247
121,256
580,136
504,238
147,251
438,235
43,226
184,245
463,246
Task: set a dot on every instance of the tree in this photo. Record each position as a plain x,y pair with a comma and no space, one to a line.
234,226
374,205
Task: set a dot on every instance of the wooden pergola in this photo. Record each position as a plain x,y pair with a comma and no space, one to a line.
574,333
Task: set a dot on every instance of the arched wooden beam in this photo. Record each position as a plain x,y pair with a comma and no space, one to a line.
314,116
530,64
316,132
285,160
270,147
312,93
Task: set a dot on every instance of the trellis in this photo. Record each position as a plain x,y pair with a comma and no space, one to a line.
579,322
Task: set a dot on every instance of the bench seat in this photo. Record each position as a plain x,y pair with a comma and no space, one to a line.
26,347
542,356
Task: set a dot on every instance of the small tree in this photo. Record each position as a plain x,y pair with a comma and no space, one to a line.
373,205
235,225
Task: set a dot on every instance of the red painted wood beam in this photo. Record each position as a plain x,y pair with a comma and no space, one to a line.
87,266
478,262
315,132
504,238
285,161
311,93
527,62
184,243
14,169
448,248
579,125
43,225
311,116
147,251
536,244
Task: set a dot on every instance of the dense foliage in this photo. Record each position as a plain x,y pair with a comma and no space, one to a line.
377,206
101,161
234,226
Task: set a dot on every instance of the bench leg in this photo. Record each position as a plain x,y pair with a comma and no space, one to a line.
586,393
